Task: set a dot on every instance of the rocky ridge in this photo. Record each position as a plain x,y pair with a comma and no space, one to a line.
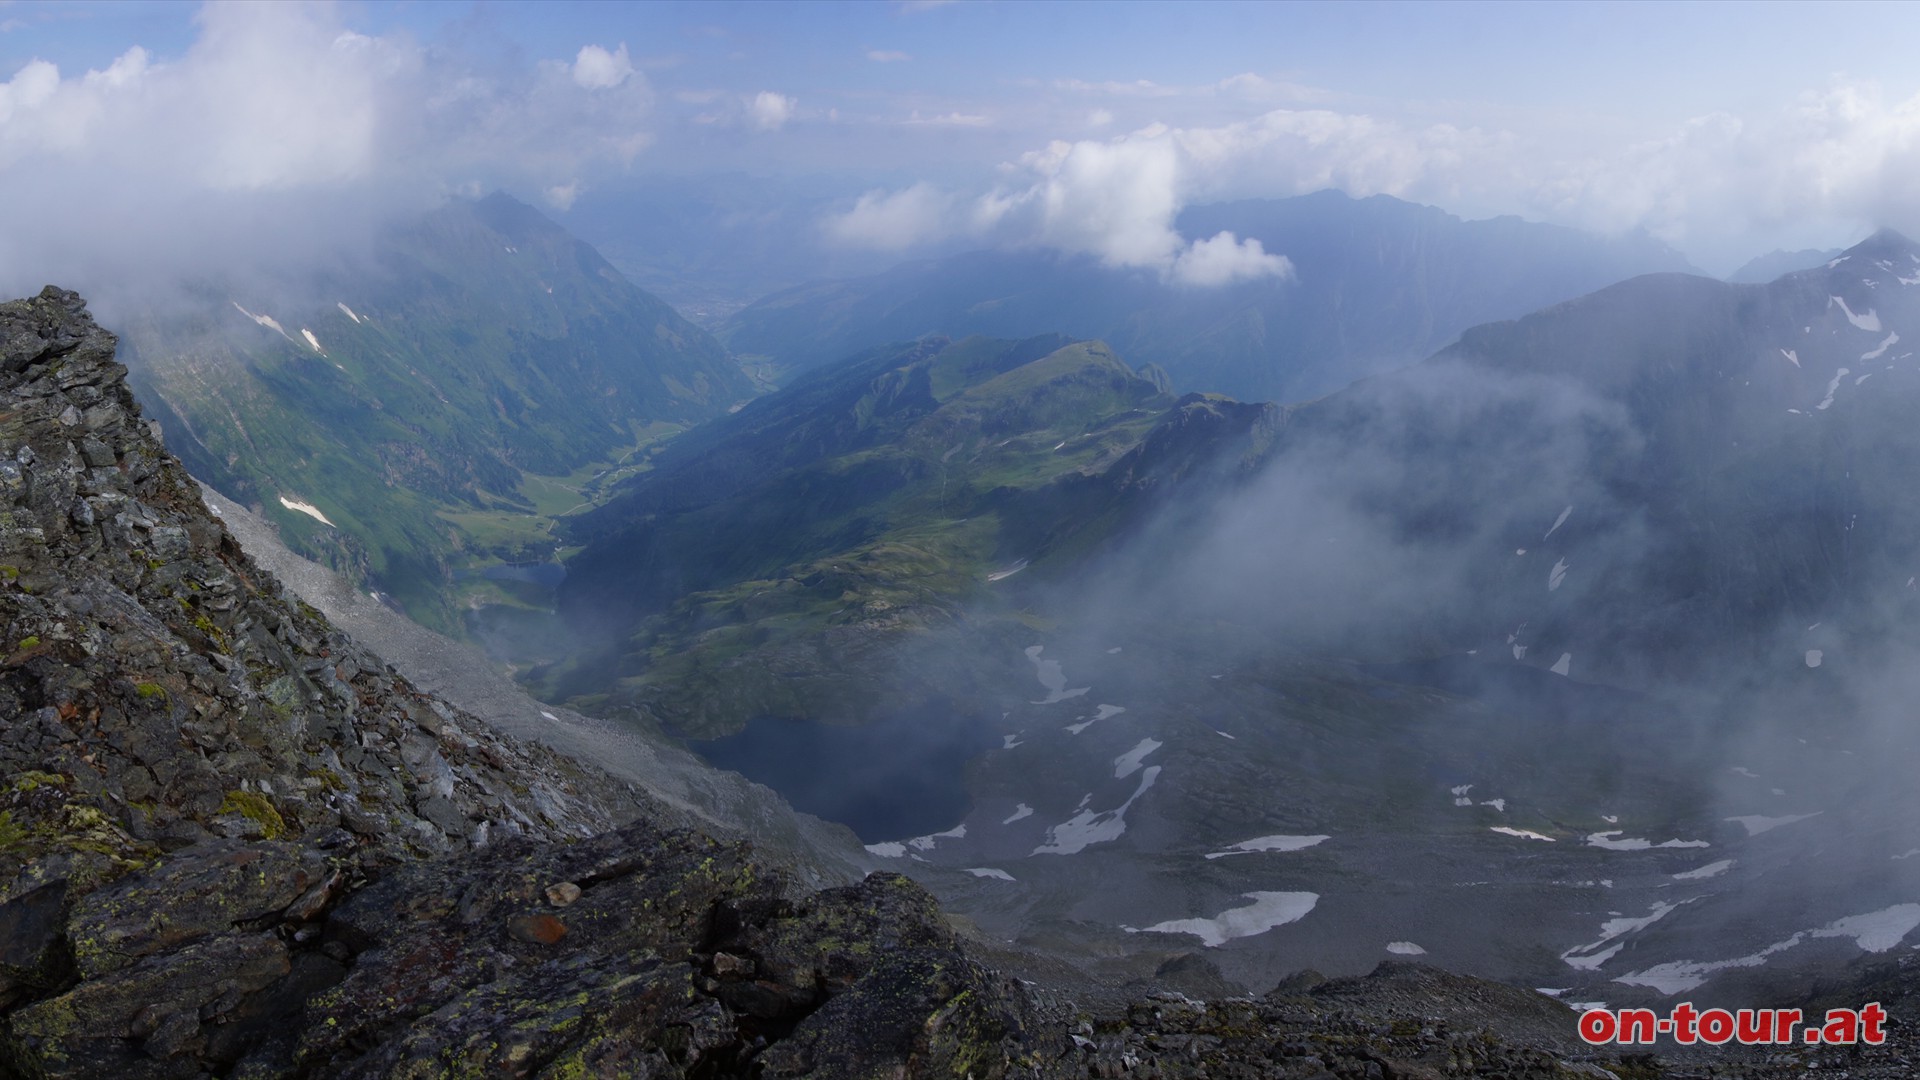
235,843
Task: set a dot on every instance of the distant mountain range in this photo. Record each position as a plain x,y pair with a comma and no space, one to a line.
419,408
1764,268
1378,283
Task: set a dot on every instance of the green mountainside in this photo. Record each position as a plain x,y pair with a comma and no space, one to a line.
768,561
435,405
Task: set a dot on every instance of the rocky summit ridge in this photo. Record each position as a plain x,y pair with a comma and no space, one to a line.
233,843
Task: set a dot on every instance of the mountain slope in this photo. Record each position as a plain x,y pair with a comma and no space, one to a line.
1607,609
474,374
1733,456
1595,626
1378,283
232,842
770,562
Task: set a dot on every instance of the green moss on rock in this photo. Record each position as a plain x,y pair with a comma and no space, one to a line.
255,807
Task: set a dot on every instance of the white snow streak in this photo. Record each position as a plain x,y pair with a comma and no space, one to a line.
308,509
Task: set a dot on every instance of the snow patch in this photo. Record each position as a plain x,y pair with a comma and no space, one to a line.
1561,665
1524,834
1405,948
989,872
1814,657
1559,521
1008,742
893,849
1827,402
313,341
1584,956
1593,962
1002,575
1712,869
1875,931
1634,843
1892,340
264,320
1051,677
343,307
1087,827
1268,910
308,509
927,842
1129,763
1869,322
1791,355
1557,575
1021,810
1268,843
1100,713
1756,824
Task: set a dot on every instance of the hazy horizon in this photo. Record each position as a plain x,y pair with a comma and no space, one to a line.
140,130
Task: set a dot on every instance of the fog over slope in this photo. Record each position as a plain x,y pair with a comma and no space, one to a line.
1572,655
1606,607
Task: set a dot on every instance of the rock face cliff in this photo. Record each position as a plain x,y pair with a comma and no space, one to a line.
234,843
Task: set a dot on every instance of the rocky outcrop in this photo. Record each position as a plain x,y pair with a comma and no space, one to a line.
234,843
196,766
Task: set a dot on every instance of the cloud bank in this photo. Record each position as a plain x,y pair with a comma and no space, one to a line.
1841,159
280,131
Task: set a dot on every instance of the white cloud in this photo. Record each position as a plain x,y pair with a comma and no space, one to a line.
894,222
1117,198
279,133
597,69
561,196
1843,154
770,111
887,56
1224,260
1114,199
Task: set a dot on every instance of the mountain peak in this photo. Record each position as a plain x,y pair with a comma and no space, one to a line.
1882,243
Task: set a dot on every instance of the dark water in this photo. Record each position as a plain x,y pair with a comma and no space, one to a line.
900,777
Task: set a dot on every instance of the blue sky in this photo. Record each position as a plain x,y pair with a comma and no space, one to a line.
1726,129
